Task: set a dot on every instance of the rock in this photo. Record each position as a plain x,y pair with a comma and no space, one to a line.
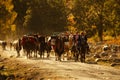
5,59
98,59
106,47
91,62
2,67
101,60
41,78
11,56
103,54
96,56
116,60
114,64
18,75
3,77
113,56
11,77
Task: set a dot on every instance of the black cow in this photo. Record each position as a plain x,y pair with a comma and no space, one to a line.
48,48
59,48
42,45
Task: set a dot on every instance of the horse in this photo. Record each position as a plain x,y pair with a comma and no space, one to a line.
80,48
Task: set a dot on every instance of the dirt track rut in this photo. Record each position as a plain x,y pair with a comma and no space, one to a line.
50,69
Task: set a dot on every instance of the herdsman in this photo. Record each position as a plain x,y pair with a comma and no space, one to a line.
76,46
84,47
80,41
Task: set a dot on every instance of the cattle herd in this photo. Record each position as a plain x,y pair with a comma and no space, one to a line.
36,46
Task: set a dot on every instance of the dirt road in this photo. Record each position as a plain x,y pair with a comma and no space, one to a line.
49,69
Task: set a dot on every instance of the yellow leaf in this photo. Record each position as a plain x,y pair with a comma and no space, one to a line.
13,27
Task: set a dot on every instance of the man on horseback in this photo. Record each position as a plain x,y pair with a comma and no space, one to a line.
83,46
76,45
80,43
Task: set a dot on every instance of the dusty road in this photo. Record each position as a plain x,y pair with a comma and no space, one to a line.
49,69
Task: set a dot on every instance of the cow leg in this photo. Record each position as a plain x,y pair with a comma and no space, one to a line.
48,54
41,54
18,53
56,56
35,53
59,58
28,54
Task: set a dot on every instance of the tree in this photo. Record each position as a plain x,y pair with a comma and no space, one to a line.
102,14
46,16
7,17
113,17
82,10
21,7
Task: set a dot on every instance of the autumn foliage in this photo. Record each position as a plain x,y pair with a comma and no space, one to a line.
99,19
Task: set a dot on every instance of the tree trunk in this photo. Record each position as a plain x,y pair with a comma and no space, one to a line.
100,27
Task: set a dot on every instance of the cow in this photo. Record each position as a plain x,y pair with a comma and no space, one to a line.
3,44
29,44
42,45
17,46
59,47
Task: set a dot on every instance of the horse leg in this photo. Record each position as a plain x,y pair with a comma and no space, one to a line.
77,54
82,58
76,57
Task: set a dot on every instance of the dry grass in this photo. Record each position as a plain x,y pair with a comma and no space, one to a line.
106,39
